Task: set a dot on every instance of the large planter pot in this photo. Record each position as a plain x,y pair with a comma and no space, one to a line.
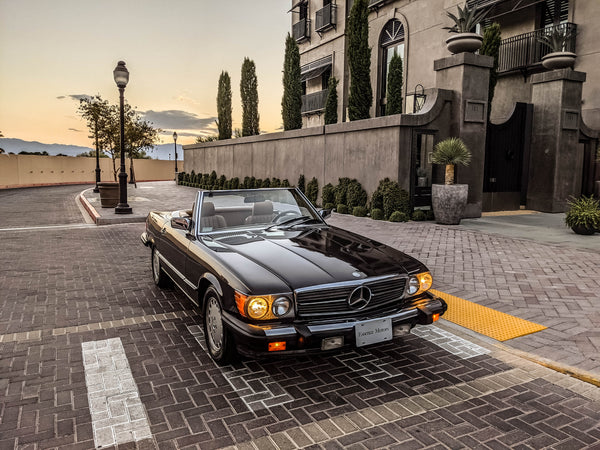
449,202
464,42
580,229
558,60
109,194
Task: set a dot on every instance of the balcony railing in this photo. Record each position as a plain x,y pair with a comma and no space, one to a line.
315,102
375,4
300,30
524,51
325,18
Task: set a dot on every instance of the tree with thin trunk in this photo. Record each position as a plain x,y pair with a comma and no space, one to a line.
394,86
224,106
492,39
331,104
359,61
249,94
291,103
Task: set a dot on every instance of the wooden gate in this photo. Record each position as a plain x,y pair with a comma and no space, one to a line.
507,161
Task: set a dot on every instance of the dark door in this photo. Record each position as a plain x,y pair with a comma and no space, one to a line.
507,161
422,169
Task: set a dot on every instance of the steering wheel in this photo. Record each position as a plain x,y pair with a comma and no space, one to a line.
283,214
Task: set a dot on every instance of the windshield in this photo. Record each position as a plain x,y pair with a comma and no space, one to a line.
255,208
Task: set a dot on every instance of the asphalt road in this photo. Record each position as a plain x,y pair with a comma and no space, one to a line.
80,316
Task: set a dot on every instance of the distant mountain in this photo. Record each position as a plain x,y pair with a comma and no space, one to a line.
10,145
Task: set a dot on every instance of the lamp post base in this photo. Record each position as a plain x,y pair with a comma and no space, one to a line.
123,208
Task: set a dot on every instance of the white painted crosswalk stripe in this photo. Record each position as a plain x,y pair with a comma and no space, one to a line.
118,415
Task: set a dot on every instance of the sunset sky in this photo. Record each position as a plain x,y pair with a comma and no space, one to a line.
52,52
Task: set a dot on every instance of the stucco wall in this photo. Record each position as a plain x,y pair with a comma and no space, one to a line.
368,150
31,170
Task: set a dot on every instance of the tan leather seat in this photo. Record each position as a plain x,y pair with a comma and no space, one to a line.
209,220
262,212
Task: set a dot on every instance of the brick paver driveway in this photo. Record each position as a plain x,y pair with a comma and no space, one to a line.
66,291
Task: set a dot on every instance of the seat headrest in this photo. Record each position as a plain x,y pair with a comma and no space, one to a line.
262,208
208,209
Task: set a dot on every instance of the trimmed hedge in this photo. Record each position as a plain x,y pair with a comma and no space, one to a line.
377,214
359,211
398,216
342,209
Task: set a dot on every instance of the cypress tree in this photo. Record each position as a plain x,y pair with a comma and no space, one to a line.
359,61
249,94
224,106
331,104
394,87
291,104
491,47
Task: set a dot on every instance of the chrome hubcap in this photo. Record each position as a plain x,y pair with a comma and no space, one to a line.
155,266
214,324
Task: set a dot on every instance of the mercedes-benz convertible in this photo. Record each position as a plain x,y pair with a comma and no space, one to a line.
270,276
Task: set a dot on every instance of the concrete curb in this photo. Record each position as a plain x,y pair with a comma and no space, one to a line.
88,207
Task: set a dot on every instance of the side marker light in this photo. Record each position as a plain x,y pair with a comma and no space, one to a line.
276,346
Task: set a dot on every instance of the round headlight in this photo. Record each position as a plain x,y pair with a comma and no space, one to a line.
413,285
426,280
281,306
257,307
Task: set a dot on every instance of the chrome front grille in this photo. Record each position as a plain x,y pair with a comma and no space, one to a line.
332,300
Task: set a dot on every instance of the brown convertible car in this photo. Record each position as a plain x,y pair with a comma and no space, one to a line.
271,277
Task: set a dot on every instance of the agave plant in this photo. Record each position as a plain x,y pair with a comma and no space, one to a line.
466,20
583,212
557,39
450,152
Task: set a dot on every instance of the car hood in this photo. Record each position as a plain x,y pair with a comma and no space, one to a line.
308,257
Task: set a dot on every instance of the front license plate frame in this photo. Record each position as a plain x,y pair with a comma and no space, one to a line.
373,331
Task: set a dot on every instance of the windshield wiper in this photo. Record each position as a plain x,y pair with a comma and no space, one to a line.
292,222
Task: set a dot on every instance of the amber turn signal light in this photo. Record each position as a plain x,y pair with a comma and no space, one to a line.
276,346
435,317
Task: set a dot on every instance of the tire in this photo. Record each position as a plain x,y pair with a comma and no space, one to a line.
219,341
160,278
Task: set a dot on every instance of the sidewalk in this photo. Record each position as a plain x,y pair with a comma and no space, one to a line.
528,265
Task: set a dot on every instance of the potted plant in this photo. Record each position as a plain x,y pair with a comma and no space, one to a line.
557,40
584,215
109,194
465,39
449,200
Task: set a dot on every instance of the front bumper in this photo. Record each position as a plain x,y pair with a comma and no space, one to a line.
308,337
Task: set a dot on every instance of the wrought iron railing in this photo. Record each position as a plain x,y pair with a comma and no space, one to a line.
300,30
377,3
325,17
314,102
524,51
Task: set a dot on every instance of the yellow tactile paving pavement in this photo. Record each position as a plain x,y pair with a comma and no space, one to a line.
484,320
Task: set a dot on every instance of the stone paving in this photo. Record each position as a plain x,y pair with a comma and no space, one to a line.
435,388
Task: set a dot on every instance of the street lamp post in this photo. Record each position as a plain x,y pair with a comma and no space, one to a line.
121,75
97,152
175,140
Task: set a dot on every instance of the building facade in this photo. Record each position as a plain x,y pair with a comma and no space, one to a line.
414,29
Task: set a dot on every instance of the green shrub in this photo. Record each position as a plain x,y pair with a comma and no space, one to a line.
395,199
341,191
329,206
398,216
275,182
312,190
266,183
342,209
258,183
252,183
328,194
377,214
359,211
235,183
429,215
355,195
301,184
583,212
419,216
285,183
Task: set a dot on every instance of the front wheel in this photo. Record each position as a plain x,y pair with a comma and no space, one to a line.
158,275
218,340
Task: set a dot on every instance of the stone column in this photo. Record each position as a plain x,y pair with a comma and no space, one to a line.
556,163
468,74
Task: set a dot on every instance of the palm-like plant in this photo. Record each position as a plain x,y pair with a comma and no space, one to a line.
450,152
583,212
557,39
466,20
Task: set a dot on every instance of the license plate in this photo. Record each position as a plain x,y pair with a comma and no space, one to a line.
373,331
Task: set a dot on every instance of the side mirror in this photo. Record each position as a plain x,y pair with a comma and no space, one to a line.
181,223
325,213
